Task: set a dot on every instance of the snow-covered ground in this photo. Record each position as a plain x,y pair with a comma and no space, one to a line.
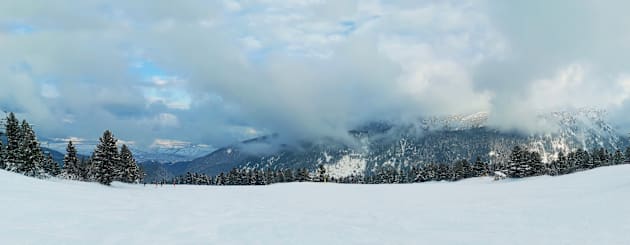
584,208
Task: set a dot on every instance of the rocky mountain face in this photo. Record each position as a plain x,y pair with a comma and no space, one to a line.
430,140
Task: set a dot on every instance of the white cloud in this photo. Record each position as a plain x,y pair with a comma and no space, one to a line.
169,143
49,91
231,5
167,120
305,67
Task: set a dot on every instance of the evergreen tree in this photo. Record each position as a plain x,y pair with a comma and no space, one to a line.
71,165
128,170
537,166
444,172
30,152
562,164
13,133
461,170
302,175
618,158
105,159
521,163
2,154
627,155
480,168
50,167
429,172
321,174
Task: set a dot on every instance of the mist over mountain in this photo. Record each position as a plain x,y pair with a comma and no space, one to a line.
429,140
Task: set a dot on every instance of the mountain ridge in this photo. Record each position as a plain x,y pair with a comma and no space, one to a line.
430,140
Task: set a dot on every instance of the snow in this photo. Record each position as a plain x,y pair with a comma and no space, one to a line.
352,164
584,208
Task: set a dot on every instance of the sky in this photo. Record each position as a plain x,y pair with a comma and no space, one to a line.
160,73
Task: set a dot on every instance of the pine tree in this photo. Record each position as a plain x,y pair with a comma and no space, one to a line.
105,159
302,175
13,134
2,154
562,165
429,172
321,174
627,155
71,165
461,170
523,164
480,168
536,164
30,152
618,158
128,170
50,167
444,172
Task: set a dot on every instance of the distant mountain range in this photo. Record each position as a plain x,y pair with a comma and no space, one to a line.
430,140
163,154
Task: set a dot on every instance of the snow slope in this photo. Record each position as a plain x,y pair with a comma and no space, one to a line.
584,208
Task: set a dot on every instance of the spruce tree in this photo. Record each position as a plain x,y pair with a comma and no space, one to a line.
480,168
627,155
618,158
562,165
71,168
105,159
30,152
2,154
128,170
50,167
302,175
13,134
520,164
460,170
321,174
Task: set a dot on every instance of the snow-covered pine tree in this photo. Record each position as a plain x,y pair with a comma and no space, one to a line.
50,167
535,162
321,174
30,152
87,167
518,166
288,175
302,175
105,159
13,134
458,170
71,168
128,171
584,159
428,172
627,155
480,168
444,172
618,158
562,164
2,154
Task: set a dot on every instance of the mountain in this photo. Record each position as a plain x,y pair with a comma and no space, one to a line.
430,140
182,153
164,152
57,156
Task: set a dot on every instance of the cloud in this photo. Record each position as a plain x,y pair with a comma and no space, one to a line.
166,143
216,72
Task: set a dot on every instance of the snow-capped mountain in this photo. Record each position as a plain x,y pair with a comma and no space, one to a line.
160,151
182,153
430,140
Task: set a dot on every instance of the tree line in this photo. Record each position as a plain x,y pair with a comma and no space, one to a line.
522,163
23,154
